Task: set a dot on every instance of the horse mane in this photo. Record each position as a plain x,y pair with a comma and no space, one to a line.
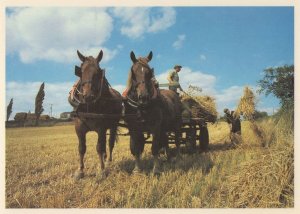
105,81
129,80
143,60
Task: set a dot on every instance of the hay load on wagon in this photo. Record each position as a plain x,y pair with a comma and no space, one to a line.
199,106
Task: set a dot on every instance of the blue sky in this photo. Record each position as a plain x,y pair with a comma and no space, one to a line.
221,49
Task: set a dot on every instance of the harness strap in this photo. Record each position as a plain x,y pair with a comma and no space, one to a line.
132,102
100,92
87,81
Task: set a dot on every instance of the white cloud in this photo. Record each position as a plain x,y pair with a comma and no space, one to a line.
189,77
119,88
140,20
135,20
202,57
229,97
56,33
107,53
225,98
24,93
179,42
163,20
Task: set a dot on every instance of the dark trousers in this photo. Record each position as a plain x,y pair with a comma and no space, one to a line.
173,88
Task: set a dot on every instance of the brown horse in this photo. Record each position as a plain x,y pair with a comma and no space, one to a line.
158,112
96,96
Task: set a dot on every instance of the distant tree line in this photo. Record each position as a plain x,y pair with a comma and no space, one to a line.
38,106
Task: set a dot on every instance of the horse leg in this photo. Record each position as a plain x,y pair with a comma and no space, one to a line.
155,150
168,153
82,149
165,144
177,143
112,139
136,148
101,150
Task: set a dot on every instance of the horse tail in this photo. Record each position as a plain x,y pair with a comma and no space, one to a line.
114,134
117,133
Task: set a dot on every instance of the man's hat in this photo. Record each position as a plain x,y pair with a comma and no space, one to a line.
177,66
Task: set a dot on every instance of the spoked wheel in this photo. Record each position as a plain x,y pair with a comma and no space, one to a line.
204,138
191,139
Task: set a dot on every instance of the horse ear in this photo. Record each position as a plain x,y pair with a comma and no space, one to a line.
132,56
150,56
77,71
81,57
99,57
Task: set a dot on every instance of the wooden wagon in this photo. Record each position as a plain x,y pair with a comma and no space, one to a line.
193,130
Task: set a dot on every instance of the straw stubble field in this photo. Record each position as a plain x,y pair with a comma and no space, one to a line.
40,163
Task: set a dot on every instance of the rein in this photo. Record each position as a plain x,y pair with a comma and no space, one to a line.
91,81
132,103
101,88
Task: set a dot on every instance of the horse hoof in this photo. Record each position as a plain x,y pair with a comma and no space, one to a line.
178,158
102,176
156,172
78,175
136,171
108,163
104,173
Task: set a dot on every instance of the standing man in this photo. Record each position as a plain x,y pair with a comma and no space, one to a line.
235,123
173,79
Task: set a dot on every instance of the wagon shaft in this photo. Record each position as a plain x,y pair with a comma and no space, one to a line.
102,116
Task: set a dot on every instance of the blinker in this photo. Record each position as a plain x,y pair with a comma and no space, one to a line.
77,71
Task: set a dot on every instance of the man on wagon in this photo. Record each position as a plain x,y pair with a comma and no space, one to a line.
235,123
173,79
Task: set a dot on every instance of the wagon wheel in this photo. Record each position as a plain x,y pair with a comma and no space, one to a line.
204,138
191,138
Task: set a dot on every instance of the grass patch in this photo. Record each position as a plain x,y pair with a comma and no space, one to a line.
40,163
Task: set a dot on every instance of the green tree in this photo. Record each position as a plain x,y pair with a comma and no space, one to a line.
280,82
260,114
9,109
39,103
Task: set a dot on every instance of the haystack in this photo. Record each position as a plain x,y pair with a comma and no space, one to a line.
246,107
198,105
246,104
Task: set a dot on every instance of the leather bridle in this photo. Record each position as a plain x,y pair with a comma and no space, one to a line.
102,81
131,101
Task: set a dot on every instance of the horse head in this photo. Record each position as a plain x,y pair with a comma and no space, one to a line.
91,77
141,75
